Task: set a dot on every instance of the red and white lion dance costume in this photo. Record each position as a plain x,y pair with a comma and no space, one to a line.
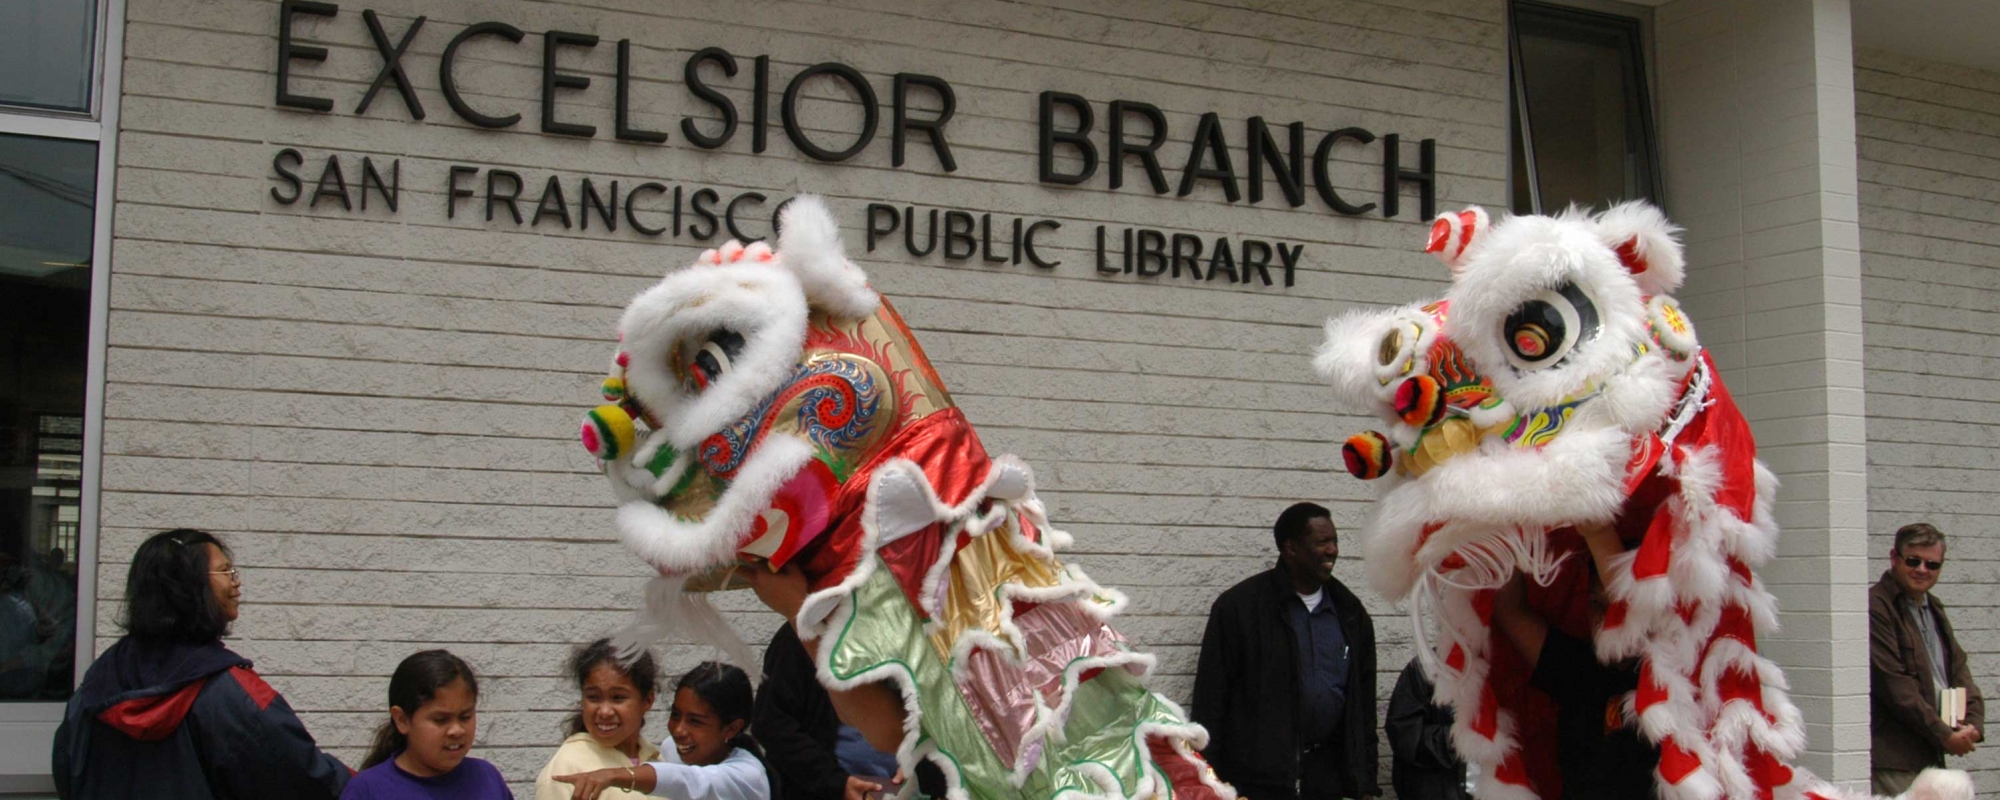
1557,383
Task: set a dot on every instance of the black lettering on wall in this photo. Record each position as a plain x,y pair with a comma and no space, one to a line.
1208,140
1187,251
607,213
904,123
1079,139
700,203
553,80
623,128
1150,245
699,88
390,193
513,193
1322,179
957,231
1288,255
392,65
1290,172
788,108
455,192
760,108
1103,267
1257,256
286,174
1148,154
1034,257
910,232
632,204
729,215
332,183
875,230
448,82
1425,175
986,239
289,52
1223,260
560,210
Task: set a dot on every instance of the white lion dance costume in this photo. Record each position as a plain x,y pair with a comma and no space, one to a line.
1557,383
790,418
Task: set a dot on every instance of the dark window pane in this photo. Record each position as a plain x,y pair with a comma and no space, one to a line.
46,211
1588,126
48,49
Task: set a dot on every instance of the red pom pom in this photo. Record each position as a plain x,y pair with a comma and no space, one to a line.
1368,455
1420,401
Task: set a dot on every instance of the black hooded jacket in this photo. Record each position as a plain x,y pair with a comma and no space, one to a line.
176,720
1246,691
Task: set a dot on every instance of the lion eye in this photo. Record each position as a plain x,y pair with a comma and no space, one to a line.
711,360
1392,344
1541,331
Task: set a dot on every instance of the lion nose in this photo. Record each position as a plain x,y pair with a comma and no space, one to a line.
1420,401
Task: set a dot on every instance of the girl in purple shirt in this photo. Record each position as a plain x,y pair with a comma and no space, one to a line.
421,753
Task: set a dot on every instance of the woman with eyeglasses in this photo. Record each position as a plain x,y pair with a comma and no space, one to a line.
168,711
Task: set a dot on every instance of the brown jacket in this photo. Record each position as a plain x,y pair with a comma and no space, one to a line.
1908,733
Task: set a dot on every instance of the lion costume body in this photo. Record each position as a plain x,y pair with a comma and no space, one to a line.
1556,384
789,416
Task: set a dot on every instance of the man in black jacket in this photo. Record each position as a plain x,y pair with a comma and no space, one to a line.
1286,681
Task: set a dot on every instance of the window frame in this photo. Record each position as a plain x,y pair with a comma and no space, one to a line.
83,123
27,729
1636,24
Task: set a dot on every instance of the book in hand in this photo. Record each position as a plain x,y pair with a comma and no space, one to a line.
1951,706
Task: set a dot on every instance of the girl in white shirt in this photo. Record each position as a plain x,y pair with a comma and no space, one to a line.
607,731
713,757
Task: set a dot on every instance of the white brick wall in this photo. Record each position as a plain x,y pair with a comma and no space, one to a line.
1929,156
378,410
1758,138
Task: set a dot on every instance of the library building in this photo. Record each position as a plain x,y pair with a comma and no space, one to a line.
335,280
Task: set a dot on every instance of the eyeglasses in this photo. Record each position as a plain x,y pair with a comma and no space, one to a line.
236,575
1913,561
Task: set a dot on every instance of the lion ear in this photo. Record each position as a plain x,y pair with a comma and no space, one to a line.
1646,245
809,246
1452,234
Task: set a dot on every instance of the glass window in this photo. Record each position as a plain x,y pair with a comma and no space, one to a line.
48,53
47,189
1583,127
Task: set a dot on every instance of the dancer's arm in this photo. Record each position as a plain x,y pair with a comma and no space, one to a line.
875,709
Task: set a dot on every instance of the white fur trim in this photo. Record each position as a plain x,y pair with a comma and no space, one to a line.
1521,257
674,544
764,305
1655,241
809,245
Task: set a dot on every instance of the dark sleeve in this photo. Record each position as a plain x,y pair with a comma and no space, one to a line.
59,756
1364,688
1413,739
1568,671
1214,673
791,693
1961,676
1889,679
256,746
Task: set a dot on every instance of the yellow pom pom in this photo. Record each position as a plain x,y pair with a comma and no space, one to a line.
613,389
607,432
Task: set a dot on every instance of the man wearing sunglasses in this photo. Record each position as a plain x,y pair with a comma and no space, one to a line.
1912,658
